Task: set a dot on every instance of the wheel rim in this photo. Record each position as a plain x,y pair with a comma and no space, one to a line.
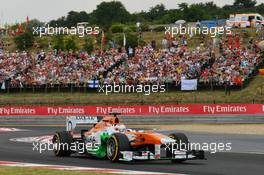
111,147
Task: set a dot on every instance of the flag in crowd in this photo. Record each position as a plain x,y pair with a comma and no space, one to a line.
102,42
124,40
93,83
27,20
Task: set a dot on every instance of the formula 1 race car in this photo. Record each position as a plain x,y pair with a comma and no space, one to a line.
108,138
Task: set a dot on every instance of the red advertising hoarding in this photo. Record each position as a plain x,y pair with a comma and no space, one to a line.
133,110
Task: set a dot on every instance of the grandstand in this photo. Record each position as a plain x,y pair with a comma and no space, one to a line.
71,71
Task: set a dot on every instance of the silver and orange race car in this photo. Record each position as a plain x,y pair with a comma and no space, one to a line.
109,138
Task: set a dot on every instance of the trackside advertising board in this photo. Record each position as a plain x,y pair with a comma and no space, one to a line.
133,110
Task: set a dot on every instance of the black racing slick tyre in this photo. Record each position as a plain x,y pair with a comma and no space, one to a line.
182,143
181,140
62,142
115,144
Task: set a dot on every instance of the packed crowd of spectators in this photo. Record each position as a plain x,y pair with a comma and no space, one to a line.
234,65
142,65
160,66
175,61
56,67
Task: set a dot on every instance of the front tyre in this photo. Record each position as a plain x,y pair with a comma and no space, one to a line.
182,143
116,143
62,142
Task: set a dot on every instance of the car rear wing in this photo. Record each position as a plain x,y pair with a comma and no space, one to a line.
73,121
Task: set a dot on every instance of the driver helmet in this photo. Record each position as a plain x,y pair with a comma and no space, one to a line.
120,128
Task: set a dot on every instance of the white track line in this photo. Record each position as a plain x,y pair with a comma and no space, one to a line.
82,169
11,130
40,139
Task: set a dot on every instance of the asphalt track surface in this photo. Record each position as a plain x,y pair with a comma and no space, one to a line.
248,159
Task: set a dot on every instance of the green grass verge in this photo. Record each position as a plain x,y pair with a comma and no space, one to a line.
40,171
253,93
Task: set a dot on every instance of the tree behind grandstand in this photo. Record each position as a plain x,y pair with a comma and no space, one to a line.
24,41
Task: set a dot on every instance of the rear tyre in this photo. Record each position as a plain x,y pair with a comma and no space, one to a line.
115,144
62,142
182,142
